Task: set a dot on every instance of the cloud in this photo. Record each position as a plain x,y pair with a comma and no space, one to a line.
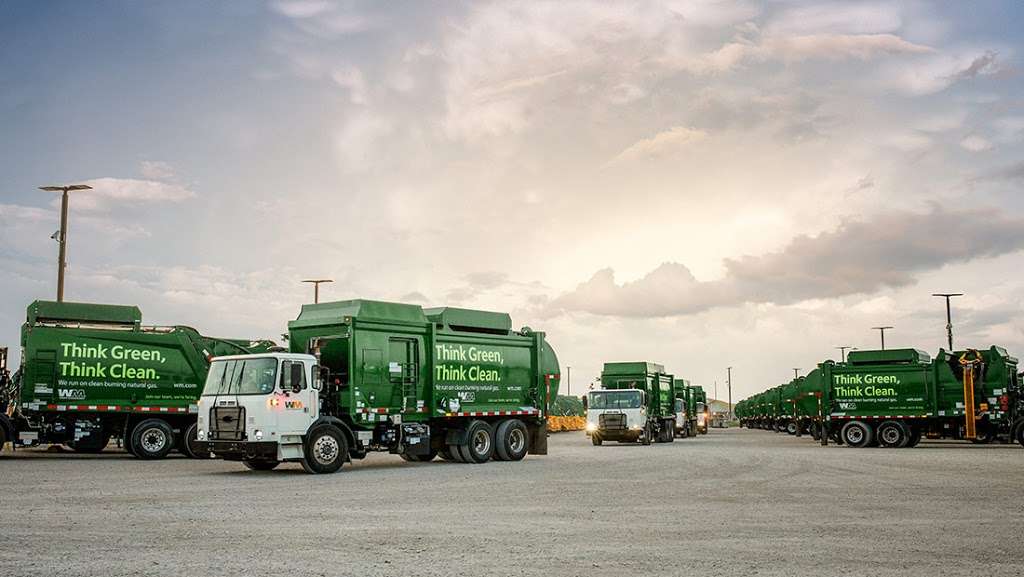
108,192
984,64
939,71
975,143
859,257
302,8
156,170
664,143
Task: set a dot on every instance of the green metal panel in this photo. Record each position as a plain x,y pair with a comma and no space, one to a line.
466,319
888,357
56,312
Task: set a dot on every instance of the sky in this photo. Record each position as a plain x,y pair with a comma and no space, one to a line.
700,184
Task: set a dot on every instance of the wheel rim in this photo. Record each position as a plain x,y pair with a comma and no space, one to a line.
854,435
325,450
153,440
890,435
481,442
516,440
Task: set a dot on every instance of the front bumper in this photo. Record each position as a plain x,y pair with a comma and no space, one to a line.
617,434
242,450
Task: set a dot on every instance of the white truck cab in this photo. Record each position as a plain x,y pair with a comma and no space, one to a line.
617,415
258,408
680,412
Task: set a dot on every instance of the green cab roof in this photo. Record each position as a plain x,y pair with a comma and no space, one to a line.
468,319
337,312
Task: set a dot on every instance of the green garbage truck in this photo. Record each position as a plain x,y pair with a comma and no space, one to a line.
893,398
93,372
636,402
702,409
365,375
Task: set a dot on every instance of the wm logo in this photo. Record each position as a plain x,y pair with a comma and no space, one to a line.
71,394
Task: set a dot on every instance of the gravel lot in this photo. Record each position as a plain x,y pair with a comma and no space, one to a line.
734,502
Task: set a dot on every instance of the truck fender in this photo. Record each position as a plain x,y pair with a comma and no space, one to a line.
539,438
336,422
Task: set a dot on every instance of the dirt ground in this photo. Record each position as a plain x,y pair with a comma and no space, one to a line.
733,502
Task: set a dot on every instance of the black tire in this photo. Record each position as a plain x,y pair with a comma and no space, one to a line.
511,440
152,439
325,450
91,448
596,439
986,434
815,431
645,437
447,453
189,445
914,438
857,434
261,465
420,458
791,427
479,445
892,435
3,436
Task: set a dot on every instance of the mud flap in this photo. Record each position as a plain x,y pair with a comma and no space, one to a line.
539,439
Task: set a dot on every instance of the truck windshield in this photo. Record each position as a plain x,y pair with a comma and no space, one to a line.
615,400
241,377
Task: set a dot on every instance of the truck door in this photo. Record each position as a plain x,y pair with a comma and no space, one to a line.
403,372
294,402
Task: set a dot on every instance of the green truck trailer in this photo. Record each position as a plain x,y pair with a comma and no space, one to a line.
894,397
636,402
695,409
92,372
365,375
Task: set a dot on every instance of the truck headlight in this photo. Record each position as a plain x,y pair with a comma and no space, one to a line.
591,427
636,428
201,435
258,435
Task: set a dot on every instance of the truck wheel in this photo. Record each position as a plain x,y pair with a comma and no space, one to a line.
479,445
914,437
152,439
791,428
261,465
645,437
596,439
3,436
419,458
90,448
189,445
815,431
511,440
1020,434
325,450
448,453
857,434
893,435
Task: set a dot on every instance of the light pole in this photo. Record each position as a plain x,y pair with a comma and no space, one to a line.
62,261
728,372
568,380
316,287
796,373
949,315
842,351
881,331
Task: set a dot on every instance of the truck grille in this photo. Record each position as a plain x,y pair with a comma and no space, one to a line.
612,421
227,423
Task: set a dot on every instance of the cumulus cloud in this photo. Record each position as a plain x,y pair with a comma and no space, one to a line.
109,191
975,143
664,143
156,170
859,257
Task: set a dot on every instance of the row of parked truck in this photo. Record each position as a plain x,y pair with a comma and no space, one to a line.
896,397
640,402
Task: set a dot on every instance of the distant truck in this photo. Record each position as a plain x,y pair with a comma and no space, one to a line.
702,408
93,372
687,410
366,376
635,403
